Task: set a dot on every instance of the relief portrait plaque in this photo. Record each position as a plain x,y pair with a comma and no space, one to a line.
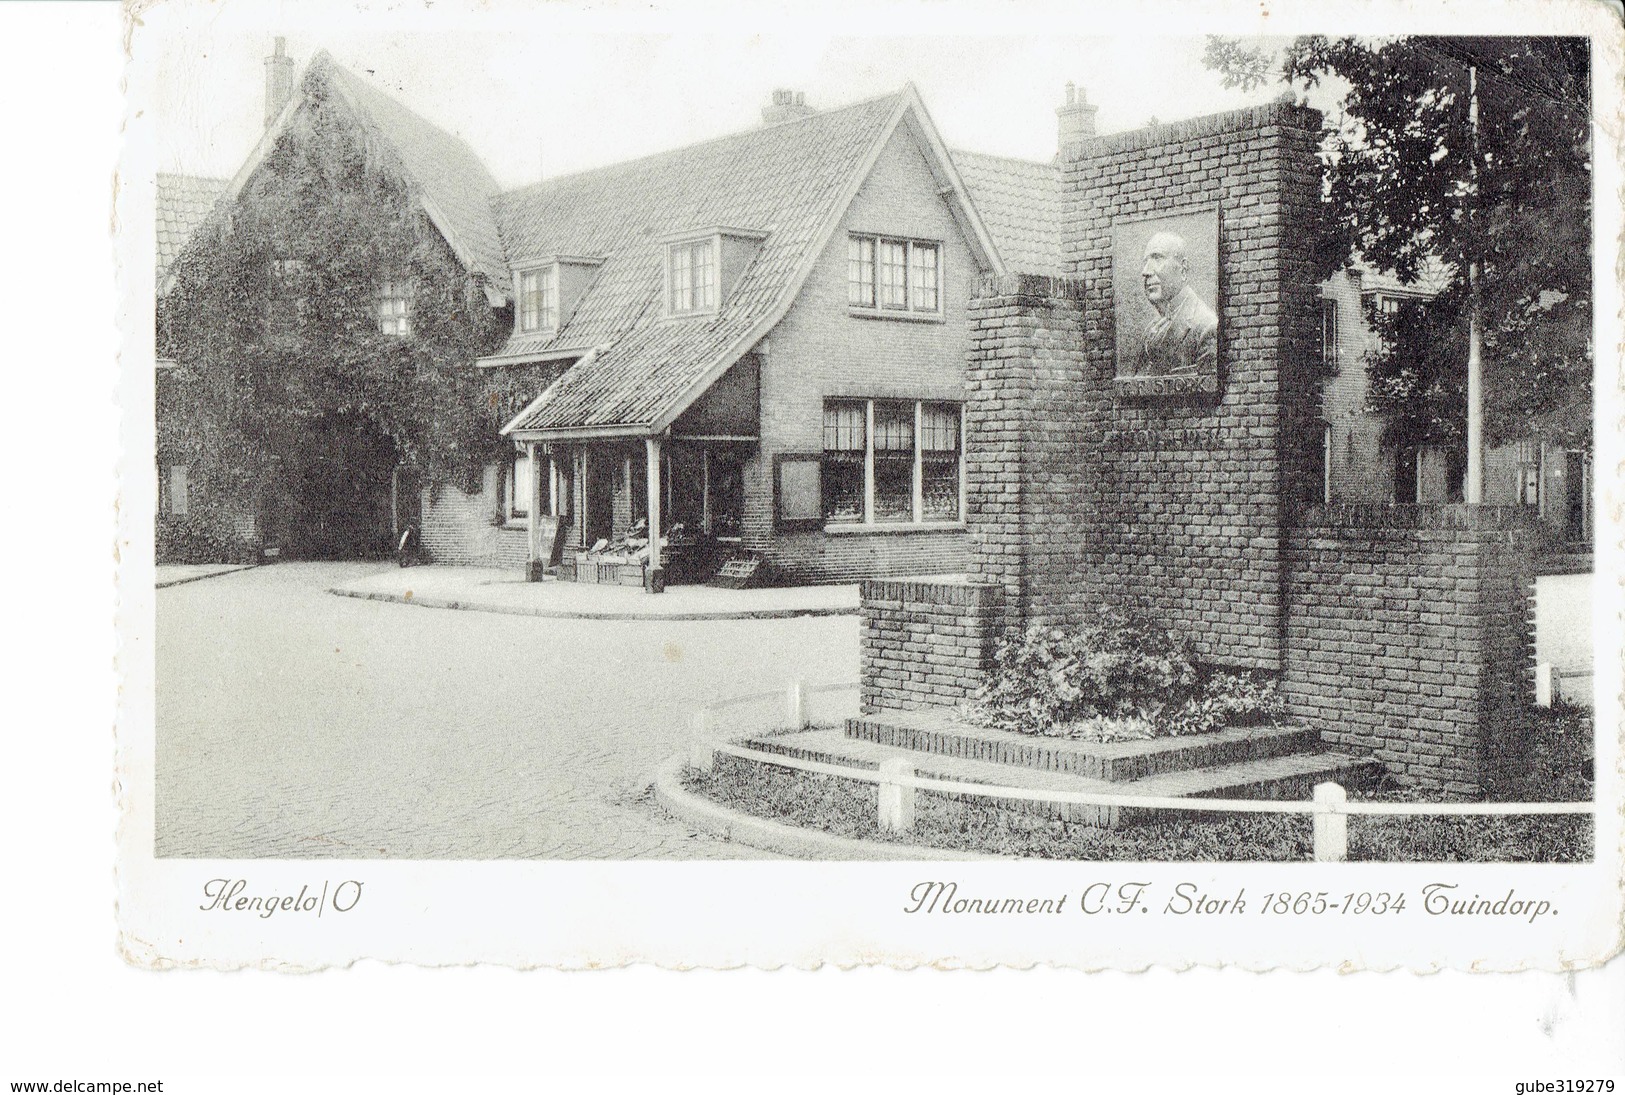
1165,284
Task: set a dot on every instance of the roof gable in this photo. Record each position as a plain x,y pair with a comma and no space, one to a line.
792,181
440,170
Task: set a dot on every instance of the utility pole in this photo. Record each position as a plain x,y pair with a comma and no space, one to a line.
1473,488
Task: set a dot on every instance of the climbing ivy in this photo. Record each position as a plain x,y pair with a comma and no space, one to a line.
273,322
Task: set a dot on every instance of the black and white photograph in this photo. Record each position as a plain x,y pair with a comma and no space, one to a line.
916,462
942,544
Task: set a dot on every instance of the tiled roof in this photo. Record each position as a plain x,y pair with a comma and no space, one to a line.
785,180
456,187
1020,202
183,202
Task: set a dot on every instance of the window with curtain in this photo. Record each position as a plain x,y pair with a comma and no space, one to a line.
939,461
892,461
846,440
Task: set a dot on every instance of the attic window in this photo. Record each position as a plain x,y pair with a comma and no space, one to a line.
539,299
893,275
691,277
395,308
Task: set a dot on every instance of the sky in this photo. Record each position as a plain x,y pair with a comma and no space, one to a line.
546,97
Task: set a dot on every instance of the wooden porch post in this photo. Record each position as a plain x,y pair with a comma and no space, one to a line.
655,580
535,563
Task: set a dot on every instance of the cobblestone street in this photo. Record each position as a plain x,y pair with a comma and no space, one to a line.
295,724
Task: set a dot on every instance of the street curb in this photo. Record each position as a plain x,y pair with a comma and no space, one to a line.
234,569
558,614
775,836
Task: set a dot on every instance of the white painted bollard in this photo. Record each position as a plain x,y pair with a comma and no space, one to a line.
1548,684
702,753
1331,823
896,801
795,705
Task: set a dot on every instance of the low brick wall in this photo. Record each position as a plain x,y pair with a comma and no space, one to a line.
925,641
1408,637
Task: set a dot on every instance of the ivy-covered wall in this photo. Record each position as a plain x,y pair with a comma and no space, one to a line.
273,325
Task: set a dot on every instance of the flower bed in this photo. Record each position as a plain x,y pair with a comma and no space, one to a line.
1114,676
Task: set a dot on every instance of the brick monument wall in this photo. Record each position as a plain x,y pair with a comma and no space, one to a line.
1399,631
1082,489
1408,637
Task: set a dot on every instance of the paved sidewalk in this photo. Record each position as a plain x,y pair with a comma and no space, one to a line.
482,589
174,574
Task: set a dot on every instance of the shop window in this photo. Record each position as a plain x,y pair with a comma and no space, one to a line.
940,460
845,447
891,462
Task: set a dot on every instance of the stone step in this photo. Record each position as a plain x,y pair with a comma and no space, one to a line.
1281,778
832,746
940,732
1291,776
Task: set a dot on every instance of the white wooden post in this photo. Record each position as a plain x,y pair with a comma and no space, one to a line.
535,565
1331,823
552,485
795,705
1548,684
702,753
896,801
656,575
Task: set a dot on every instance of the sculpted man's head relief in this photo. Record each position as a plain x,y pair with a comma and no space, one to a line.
1166,274
1166,269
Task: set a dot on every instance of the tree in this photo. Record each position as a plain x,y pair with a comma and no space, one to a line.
1417,186
273,321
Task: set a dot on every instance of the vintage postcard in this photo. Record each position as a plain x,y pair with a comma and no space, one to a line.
970,487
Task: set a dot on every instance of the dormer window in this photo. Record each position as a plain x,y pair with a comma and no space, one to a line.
691,276
539,299
894,275
395,308
702,266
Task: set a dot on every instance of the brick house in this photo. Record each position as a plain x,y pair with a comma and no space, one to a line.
348,496
769,328
1552,481
773,324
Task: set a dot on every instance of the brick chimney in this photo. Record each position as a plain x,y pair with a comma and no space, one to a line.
278,81
786,106
1076,119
